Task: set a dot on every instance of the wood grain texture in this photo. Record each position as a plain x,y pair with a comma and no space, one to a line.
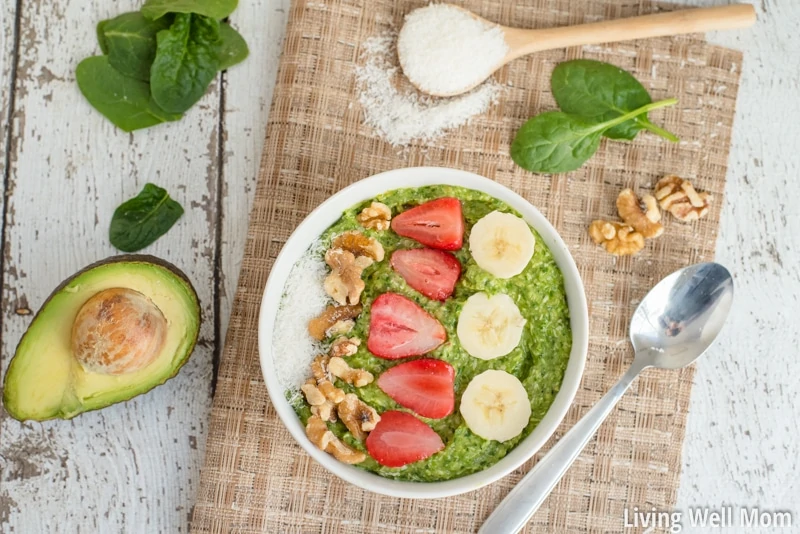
133,467
742,445
248,92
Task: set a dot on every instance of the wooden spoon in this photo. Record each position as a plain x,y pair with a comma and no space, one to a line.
522,42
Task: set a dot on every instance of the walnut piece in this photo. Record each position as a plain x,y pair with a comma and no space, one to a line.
344,283
630,212
319,368
335,320
320,404
357,377
344,347
325,411
619,239
651,210
376,216
317,431
359,244
679,197
358,417
313,395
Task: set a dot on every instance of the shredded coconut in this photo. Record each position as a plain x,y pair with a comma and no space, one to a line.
444,49
304,298
401,115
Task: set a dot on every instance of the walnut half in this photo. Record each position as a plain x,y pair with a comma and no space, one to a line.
376,216
357,377
619,239
317,431
338,319
680,198
358,416
344,283
359,244
630,212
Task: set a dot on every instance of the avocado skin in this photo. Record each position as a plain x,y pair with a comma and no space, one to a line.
8,403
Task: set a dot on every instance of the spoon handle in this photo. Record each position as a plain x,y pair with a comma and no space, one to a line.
523,42
521,503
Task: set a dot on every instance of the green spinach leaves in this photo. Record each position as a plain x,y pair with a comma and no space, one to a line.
138,222
130,42
160,61
124,101
186,62
601,91
555,141
215,9
596,100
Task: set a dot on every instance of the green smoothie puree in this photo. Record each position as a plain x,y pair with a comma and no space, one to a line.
538,361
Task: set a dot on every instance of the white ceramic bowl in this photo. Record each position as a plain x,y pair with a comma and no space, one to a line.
329,212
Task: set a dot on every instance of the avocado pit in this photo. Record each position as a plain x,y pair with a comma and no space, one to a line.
118,331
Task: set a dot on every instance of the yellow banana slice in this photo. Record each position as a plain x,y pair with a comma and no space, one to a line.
502,244
495,405
489,327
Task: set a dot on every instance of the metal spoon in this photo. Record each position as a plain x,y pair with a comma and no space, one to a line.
675,324
522,42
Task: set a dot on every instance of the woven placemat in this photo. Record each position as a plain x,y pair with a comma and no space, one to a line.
256,479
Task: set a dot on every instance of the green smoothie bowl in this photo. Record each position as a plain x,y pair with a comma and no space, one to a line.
423,332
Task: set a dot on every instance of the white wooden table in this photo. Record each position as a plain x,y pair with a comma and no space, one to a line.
135,466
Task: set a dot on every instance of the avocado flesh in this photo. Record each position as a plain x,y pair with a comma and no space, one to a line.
45,381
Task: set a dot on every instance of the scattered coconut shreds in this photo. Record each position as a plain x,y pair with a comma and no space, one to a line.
303,298
400,116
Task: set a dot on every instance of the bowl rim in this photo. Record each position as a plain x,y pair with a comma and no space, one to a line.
327,213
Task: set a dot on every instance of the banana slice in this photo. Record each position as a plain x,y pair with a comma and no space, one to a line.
502,244
495,405
489,327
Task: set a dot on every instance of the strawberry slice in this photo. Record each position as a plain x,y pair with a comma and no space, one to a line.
399,438
432,272
399,328
425,386
438,224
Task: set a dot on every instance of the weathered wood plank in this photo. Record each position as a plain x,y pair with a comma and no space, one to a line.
134,466
742,443
8,49
248,94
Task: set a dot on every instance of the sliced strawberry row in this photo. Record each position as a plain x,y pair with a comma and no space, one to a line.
432,272
399,438
424,386
437,224
399,328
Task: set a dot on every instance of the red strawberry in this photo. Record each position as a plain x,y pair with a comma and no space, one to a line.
437,224
425,386
399,438
399,328
433,273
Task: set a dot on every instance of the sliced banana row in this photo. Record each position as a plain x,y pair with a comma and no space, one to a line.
489,327
495,405
501,244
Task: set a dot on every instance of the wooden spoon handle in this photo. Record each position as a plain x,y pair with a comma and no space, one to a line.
522,42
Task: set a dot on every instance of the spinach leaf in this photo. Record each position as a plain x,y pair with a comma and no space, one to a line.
101,39
559,142
215,9
599,92
138,222
124,101
186,62
232,48
130,42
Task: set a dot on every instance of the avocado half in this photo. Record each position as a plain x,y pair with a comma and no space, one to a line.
46,380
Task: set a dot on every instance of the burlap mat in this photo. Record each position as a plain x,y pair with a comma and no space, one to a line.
256,479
